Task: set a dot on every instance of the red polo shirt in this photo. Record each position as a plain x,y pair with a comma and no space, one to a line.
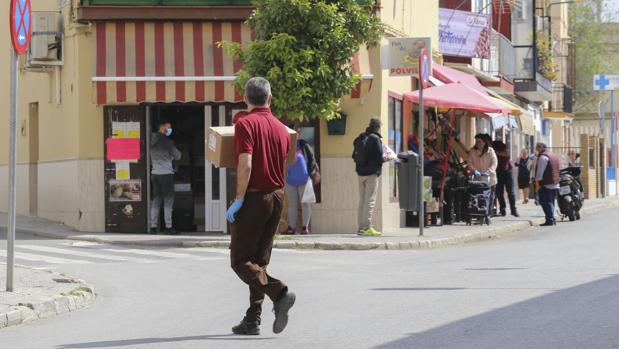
264,137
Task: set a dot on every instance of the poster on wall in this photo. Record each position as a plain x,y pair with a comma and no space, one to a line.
464,34
125,130
123,149
123,170
125,191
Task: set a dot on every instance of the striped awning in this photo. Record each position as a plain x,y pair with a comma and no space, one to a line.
166,61
169,62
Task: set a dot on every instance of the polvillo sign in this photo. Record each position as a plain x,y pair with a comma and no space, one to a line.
402,56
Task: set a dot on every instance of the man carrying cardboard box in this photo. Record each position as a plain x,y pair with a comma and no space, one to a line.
262,144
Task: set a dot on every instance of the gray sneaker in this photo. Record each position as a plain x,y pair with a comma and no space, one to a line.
281,308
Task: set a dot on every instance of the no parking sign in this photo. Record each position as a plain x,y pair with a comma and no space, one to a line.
20,23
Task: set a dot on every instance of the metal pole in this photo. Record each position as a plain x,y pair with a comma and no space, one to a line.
421,148
10,234
612,128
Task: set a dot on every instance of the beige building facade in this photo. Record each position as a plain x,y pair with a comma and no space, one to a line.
62,122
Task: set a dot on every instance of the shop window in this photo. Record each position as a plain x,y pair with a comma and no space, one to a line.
394,141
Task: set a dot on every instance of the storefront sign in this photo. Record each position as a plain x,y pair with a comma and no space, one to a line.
602,82
402,55
464,34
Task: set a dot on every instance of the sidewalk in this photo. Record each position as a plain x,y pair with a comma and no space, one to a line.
40,294
398,239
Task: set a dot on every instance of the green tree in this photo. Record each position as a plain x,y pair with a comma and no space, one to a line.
304,48
590,33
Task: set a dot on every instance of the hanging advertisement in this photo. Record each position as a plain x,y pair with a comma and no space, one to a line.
464,34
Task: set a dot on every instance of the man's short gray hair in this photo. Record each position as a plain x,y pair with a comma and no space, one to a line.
540,145
257,91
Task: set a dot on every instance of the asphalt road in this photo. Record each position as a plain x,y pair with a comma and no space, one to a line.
543,288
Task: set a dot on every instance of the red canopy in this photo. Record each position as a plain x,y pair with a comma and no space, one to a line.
450,75
456,96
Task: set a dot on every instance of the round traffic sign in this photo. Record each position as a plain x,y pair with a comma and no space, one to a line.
424,68
20,23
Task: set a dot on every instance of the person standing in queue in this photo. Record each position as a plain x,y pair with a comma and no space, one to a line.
547,179
262,144
162,154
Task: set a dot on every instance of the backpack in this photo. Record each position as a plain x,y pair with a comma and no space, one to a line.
297,172
360,153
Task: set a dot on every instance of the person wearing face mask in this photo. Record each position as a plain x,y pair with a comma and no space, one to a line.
162,153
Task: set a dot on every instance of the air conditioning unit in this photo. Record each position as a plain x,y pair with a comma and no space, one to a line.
47,39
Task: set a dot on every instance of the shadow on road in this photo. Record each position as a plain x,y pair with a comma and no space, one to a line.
584,316
141,341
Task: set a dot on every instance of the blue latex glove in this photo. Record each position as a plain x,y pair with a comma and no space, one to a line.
485,174
233,210
477,173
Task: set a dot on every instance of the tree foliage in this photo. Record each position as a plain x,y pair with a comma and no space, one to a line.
304,48
589,33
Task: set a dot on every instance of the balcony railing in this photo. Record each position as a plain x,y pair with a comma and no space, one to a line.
502,52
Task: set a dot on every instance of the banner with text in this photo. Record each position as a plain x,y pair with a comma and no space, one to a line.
464,34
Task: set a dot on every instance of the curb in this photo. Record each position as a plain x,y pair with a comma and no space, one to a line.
491,233
387,245
81,297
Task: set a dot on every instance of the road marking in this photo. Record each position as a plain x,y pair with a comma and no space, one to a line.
84,254
158,253
47,259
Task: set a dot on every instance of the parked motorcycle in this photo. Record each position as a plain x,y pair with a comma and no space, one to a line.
571,194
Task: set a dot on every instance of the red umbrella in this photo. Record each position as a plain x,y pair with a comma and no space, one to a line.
456,96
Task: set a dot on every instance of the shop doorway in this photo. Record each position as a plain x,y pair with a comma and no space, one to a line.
189,179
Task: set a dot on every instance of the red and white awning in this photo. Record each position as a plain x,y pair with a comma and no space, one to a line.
166,61
169,62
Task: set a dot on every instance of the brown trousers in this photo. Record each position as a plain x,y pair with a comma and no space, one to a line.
250,247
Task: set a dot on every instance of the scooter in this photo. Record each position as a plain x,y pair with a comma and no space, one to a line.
571,194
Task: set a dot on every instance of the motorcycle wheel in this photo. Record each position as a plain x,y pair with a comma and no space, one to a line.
577,215
572,214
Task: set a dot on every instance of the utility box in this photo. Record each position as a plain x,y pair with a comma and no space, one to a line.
46,45
408,180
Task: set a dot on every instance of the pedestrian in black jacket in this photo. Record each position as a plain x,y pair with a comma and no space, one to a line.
369,158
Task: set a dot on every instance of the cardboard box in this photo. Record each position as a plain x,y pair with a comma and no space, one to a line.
220,150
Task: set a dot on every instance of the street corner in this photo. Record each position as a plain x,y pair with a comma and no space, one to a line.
41,294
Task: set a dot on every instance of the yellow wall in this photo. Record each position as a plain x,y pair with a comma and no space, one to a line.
338,211
425,20
58,124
